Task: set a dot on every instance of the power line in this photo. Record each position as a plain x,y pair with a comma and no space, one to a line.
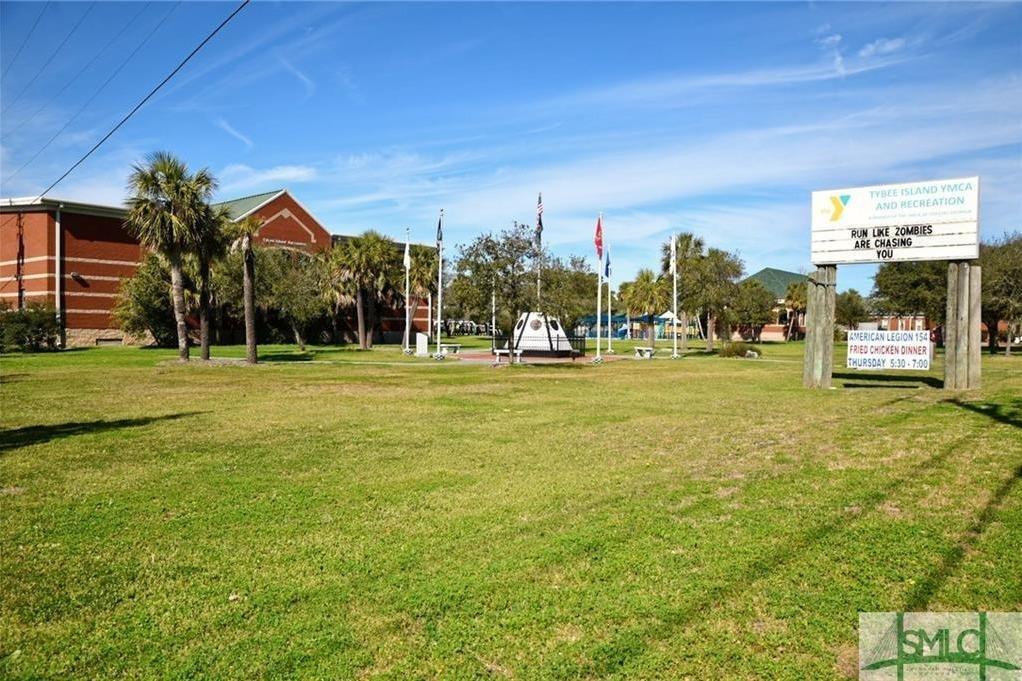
146,98
85,68
95,94
25,41
52,57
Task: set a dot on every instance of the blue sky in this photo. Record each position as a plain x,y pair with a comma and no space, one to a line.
712,118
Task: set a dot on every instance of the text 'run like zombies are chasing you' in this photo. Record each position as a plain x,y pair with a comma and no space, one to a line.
881,239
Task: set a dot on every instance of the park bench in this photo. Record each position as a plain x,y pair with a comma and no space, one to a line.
501,352
644,353
450,348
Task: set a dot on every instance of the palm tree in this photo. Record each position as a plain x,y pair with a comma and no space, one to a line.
367,264
649,295
243,232
211,245
795,301
689,252
422,277
165,211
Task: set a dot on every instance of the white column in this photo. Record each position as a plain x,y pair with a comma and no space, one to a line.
58,273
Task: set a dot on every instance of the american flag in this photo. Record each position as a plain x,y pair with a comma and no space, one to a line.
539,220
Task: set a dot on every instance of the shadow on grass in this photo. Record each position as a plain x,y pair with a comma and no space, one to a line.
15,438
615,654
923,593
1007,414
286,356
887,380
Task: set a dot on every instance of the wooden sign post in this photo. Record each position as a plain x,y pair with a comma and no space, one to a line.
936,220
819,351
961,327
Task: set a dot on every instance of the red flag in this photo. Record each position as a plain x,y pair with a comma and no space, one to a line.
598,239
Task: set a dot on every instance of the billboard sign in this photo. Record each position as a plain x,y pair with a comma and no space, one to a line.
889,350
936,220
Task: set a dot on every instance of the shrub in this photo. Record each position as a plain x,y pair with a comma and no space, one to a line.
29,330
740,349
143,303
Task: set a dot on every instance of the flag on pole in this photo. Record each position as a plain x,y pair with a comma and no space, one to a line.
606,269
598,239
408,255
440,228
539,221
674,254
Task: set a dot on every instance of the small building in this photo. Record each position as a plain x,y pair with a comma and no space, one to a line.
74,255
777,282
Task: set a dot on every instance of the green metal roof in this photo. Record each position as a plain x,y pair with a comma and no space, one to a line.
776,281
238,207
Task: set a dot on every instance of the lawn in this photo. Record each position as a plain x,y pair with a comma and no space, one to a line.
371,515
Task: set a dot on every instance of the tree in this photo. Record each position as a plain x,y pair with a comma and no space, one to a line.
164,214
753,306
716,287
568,289
421,277
1002,286
796,300
850,309
211,244
144,302
649,295
367,265
500,263
296,282
909,288
689,253
243,232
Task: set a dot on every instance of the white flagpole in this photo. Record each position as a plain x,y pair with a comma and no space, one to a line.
674,274
610,325
440,285
408,270
599,290
493,313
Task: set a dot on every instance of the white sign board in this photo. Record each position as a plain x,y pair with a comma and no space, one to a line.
937,220
421,345
889,350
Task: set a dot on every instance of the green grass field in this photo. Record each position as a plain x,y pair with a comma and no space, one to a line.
371,515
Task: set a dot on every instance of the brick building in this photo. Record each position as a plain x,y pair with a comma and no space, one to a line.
74,256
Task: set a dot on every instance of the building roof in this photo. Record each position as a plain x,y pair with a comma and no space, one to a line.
239,208
776,281
13,205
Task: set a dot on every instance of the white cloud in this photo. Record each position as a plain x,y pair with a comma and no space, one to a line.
882,46
242,177
308,83
829,41
233,132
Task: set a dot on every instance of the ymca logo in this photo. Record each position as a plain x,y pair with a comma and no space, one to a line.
940,645
839,203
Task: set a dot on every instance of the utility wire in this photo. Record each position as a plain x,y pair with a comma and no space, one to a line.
147,97
75,77
25,41
52,57
95,94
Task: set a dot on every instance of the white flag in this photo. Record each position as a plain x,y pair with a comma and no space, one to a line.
408,256
674,254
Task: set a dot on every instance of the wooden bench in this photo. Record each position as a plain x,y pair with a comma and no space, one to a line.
450,348
513,355
644,353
